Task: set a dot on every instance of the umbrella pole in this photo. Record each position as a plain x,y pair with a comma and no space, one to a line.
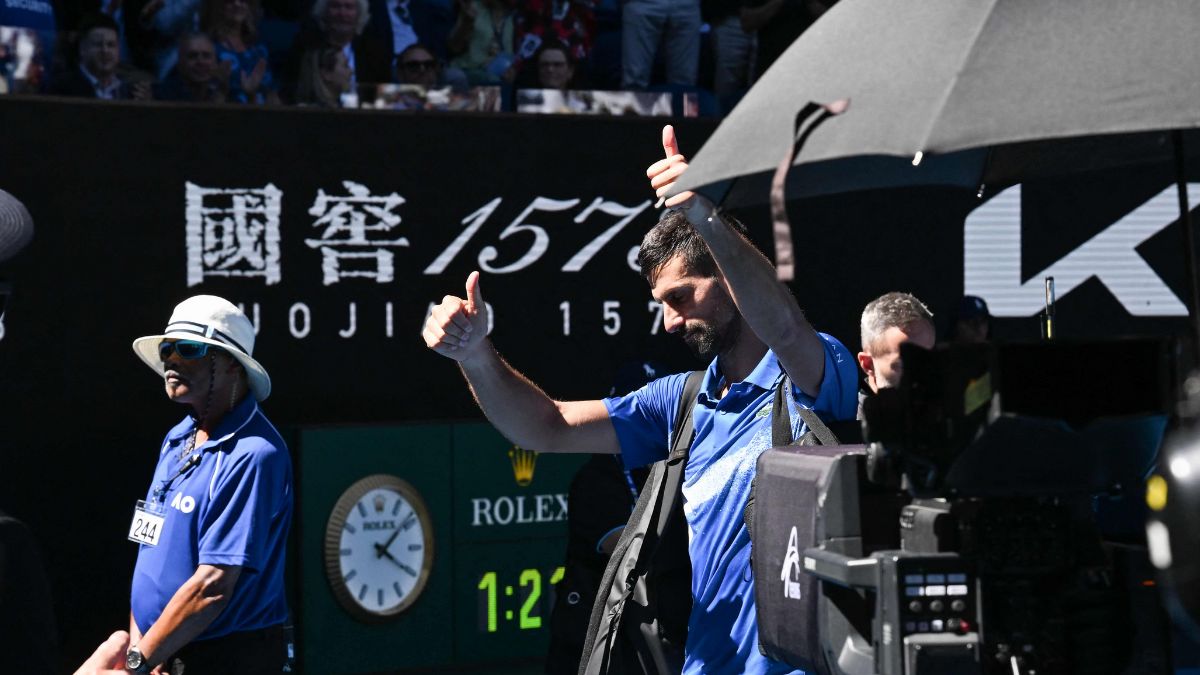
1185,222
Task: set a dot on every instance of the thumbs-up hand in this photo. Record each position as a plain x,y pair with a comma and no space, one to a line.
665,172
457,327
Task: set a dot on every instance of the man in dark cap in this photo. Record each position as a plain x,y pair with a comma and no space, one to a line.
972,323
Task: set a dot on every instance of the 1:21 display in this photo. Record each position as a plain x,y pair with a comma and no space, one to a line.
529,601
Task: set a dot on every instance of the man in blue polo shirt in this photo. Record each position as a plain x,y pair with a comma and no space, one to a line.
721,295
212,531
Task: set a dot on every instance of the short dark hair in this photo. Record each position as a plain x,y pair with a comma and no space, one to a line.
412,48
555,45
190,35
673,237
94,20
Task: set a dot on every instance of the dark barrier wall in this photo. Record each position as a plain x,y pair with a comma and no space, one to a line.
336,230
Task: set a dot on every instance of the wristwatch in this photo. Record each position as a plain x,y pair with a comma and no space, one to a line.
135,662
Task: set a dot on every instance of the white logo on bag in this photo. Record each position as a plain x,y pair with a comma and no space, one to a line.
790,574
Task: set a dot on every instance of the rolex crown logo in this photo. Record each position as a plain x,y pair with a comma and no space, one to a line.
380,502
522,464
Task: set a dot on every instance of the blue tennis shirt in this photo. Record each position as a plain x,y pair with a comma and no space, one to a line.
234,508
731,433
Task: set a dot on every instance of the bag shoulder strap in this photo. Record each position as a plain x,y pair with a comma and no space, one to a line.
683,432
781,420
637,547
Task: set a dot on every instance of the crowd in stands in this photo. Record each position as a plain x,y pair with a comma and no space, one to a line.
328,52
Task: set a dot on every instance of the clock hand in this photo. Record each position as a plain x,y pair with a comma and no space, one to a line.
381,549
388,543
384,553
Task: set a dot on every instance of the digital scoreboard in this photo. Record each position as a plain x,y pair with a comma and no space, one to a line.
426,546
515,594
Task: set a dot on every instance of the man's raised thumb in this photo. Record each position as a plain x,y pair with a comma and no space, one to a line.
474,294
670,144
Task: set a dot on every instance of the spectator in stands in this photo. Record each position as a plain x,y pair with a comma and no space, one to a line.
392,21
340,24
324,78
570,23
99,56
555,67
733,47
196,76
399,24
154,36
778,24
647,23
233,25
483,41
418,65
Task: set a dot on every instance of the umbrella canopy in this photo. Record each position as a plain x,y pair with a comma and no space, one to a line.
964,89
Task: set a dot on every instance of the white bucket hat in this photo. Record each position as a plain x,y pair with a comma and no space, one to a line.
214,321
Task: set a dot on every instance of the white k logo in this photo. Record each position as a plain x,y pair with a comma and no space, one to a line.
992,258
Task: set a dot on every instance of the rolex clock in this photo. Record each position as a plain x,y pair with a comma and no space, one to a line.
378,547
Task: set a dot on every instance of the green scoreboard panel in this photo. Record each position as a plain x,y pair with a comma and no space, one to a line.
497,520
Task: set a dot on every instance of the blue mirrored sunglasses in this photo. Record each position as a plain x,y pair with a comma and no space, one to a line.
186,349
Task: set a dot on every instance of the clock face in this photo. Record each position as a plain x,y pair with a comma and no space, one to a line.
378,547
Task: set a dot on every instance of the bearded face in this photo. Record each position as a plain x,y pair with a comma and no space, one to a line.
698,309
708,338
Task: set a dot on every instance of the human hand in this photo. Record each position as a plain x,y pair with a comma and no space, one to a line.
457,328
109,657
664,172
253,79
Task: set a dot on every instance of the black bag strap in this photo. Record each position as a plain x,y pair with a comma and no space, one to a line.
781,420
657,506
683,432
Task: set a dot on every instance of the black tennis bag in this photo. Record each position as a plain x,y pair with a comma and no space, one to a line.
640,617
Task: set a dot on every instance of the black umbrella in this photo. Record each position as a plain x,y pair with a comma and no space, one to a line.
933,85
887,93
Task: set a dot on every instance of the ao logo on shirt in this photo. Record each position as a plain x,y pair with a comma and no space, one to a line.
183,503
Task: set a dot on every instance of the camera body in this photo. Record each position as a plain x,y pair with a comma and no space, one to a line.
973,531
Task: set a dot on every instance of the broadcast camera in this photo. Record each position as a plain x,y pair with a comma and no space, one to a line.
991,523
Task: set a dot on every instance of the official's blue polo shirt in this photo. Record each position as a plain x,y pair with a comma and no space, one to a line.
234,508
730,435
